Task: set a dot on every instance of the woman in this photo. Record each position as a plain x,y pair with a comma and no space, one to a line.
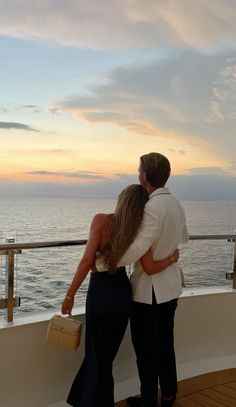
108,297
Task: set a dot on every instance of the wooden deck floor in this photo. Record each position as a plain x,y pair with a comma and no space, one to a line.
216,389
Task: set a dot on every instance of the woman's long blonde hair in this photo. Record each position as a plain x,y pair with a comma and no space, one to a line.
125,224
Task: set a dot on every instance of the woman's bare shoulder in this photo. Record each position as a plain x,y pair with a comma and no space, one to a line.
101,216
100,219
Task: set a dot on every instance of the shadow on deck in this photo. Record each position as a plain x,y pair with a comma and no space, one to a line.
217,389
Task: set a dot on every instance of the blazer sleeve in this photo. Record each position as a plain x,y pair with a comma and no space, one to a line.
147,233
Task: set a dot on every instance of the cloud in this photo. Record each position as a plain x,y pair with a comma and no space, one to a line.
224,104
181,152
182,96
208,171
204,187
68,174
111,24
30,106
54,110
191,187
17,126
50,151
33,108
232,166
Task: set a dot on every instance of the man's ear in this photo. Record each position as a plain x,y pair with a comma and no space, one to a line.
142,178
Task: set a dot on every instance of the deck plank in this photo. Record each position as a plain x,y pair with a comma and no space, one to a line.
121,404
215,395
226,390
232,385
186,402
195,384
216,389
204,401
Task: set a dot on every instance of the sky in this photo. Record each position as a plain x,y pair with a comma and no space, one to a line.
87,87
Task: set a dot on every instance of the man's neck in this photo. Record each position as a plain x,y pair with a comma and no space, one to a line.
150,189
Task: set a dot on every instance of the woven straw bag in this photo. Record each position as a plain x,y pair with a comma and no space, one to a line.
64,332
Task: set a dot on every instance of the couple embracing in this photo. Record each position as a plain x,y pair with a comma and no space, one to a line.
145,230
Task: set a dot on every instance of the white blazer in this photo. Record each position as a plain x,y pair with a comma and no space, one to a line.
163,228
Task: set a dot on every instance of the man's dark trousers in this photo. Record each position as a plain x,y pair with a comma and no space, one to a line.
152,330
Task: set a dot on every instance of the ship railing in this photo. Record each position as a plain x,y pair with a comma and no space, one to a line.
10,249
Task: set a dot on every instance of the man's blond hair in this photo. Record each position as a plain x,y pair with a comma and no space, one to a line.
157,168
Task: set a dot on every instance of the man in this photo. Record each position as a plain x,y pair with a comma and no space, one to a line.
155,297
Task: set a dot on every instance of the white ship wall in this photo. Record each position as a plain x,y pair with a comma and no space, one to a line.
35,374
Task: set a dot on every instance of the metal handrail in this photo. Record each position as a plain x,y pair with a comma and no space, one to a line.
213,237
11,249
40,245
60,243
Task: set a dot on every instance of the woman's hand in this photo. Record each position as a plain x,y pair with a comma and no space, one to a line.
151,266
176,255
67,305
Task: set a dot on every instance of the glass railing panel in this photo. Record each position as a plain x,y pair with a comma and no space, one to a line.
206,262
43,274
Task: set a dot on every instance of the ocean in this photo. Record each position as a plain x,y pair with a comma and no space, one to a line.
43,275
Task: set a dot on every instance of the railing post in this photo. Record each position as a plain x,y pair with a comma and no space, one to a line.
9,285
9,302
234,266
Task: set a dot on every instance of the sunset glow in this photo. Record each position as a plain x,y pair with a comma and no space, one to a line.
78,106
